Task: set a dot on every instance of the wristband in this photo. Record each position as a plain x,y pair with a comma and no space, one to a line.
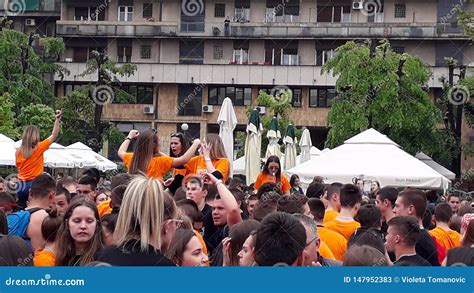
207,160
129,138
219,182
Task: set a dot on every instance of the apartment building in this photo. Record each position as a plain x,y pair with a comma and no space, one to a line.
191,54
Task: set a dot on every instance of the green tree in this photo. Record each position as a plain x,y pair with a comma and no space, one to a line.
37,114
380,89
7,117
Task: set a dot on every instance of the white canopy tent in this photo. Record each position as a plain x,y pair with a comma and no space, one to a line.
435,166
238,166
7,151
372,156
90,158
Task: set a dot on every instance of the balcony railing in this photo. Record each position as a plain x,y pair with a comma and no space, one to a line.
301,75
324,30
116,28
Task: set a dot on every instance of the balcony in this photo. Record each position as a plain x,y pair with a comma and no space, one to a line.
116,29
302,75
326,30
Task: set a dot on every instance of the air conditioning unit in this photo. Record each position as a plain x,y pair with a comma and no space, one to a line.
149,110
357,5
261,110
68,60
207,109
30,22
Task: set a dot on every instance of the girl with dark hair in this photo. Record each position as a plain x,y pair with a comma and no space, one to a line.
247,252
46,256
295,184
213,159
233,244
30,157
178,145
186,250
272,173
80,235
463,255
147,158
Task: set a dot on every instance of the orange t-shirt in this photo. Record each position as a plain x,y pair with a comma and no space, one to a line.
157,168
197,166
335,241
325,251
104,208
330,215
264,178
447,239
344,228
29,169
44,258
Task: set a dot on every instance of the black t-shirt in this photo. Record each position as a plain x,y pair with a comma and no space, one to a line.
217,257
411,261
460,256
130,254
209,228
426,248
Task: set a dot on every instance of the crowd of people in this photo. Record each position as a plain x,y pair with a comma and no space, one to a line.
184,209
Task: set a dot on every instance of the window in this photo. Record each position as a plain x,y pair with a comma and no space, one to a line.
321,97
281,53
399,50
125,13
145,52
88,13
328,13
323,56
83,54
218,52
124,54
191,52
282,11
296,98
241,56
147,10
242,14
400,10
240,96
190,99
143,93
219,10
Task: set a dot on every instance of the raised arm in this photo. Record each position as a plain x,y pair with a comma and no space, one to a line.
56,127
124,146
228,200
187,155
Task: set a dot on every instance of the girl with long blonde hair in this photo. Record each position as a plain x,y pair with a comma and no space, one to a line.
30,157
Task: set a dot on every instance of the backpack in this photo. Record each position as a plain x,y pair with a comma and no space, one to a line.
18,222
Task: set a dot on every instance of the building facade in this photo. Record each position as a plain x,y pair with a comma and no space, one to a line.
191,54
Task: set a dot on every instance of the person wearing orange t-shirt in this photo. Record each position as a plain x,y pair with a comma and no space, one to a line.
178,147
213,159
444,236
333,202
30,157
147,158
335,241
272,173
344,223
45,256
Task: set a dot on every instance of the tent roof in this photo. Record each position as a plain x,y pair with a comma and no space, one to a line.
380,160
4,138
435,166
370,136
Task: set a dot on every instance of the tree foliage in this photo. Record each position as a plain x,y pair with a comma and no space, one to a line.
39,115
378,88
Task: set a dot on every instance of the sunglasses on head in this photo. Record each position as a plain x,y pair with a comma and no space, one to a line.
177,134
